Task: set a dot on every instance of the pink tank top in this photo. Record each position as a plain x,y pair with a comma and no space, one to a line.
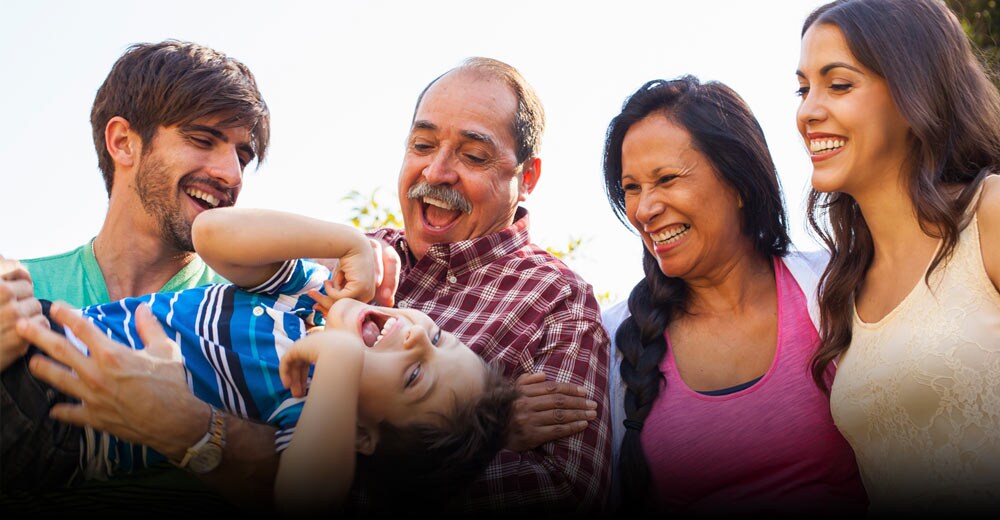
771,447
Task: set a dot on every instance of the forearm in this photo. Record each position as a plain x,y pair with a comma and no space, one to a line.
249,463
246,246
246,475
317,468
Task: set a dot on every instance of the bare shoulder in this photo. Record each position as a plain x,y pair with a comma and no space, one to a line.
988,215
988,211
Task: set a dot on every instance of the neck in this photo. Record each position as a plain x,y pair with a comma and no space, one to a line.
895,228
733,288
133,258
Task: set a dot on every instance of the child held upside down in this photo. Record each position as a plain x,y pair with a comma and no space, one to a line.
387,386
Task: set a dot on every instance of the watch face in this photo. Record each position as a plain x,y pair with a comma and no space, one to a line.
207,459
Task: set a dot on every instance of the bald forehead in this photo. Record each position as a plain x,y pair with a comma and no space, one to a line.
487,103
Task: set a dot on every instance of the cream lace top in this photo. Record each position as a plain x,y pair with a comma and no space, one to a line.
917,394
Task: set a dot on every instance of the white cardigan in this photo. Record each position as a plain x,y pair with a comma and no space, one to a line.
806,267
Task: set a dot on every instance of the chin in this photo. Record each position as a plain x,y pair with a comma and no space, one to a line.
826,183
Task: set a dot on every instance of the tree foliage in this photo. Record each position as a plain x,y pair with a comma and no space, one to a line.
981,21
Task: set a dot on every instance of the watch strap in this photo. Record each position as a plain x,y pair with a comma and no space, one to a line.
216,434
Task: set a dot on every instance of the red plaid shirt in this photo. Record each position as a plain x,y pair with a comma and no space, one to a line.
521,308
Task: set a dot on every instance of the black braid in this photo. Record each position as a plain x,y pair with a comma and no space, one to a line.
641,340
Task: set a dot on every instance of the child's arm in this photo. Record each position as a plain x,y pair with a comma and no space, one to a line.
247,246
316,470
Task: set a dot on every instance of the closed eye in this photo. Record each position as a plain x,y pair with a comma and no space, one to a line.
413,376
475,159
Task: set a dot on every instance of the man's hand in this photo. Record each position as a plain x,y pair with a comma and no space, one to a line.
140,396
387,280
17,302
547,411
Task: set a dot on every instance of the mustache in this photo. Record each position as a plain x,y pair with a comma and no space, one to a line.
443,193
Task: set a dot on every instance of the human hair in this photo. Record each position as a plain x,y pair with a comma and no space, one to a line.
424,465
724,130
528,124
177,82
953,112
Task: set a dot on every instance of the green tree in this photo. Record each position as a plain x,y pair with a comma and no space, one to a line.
981,21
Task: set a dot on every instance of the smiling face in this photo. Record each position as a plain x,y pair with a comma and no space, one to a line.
687,217
412,369
856,137
186,169
460,178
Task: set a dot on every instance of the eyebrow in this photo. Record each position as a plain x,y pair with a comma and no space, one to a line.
422,124
830,66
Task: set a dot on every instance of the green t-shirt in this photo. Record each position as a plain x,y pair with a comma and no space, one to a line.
75,278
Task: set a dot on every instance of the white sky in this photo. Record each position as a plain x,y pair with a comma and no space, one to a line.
341,79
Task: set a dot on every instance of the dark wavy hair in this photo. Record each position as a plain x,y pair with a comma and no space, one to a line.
424,466
724,130
177,82
953,110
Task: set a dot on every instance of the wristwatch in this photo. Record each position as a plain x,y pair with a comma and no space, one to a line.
206,454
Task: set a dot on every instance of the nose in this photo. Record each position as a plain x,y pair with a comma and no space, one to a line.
418,342
811,110
226,167
441,169
650,207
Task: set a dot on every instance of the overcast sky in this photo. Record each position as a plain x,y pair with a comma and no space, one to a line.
341,79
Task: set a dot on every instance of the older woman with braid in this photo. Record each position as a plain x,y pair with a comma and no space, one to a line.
714,409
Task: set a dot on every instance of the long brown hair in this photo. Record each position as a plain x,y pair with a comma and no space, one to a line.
953,110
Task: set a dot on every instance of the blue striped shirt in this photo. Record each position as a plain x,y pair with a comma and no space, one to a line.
232,341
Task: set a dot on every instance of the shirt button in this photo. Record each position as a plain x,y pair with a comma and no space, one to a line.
403,305
452,278
258,311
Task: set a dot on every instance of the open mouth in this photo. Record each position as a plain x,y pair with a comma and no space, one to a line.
374,327
205,199
825,146
438,213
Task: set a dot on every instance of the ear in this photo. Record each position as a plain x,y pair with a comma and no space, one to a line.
366,440
529,178
121,142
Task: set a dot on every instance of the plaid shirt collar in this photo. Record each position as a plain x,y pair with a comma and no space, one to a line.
469,255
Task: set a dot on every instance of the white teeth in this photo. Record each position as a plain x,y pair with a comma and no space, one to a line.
388,324
670,234
198,194
825,145
438,202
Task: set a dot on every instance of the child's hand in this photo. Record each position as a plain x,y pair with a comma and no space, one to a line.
294,367
324,301
357,275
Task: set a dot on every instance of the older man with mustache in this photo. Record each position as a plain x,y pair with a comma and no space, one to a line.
467,260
